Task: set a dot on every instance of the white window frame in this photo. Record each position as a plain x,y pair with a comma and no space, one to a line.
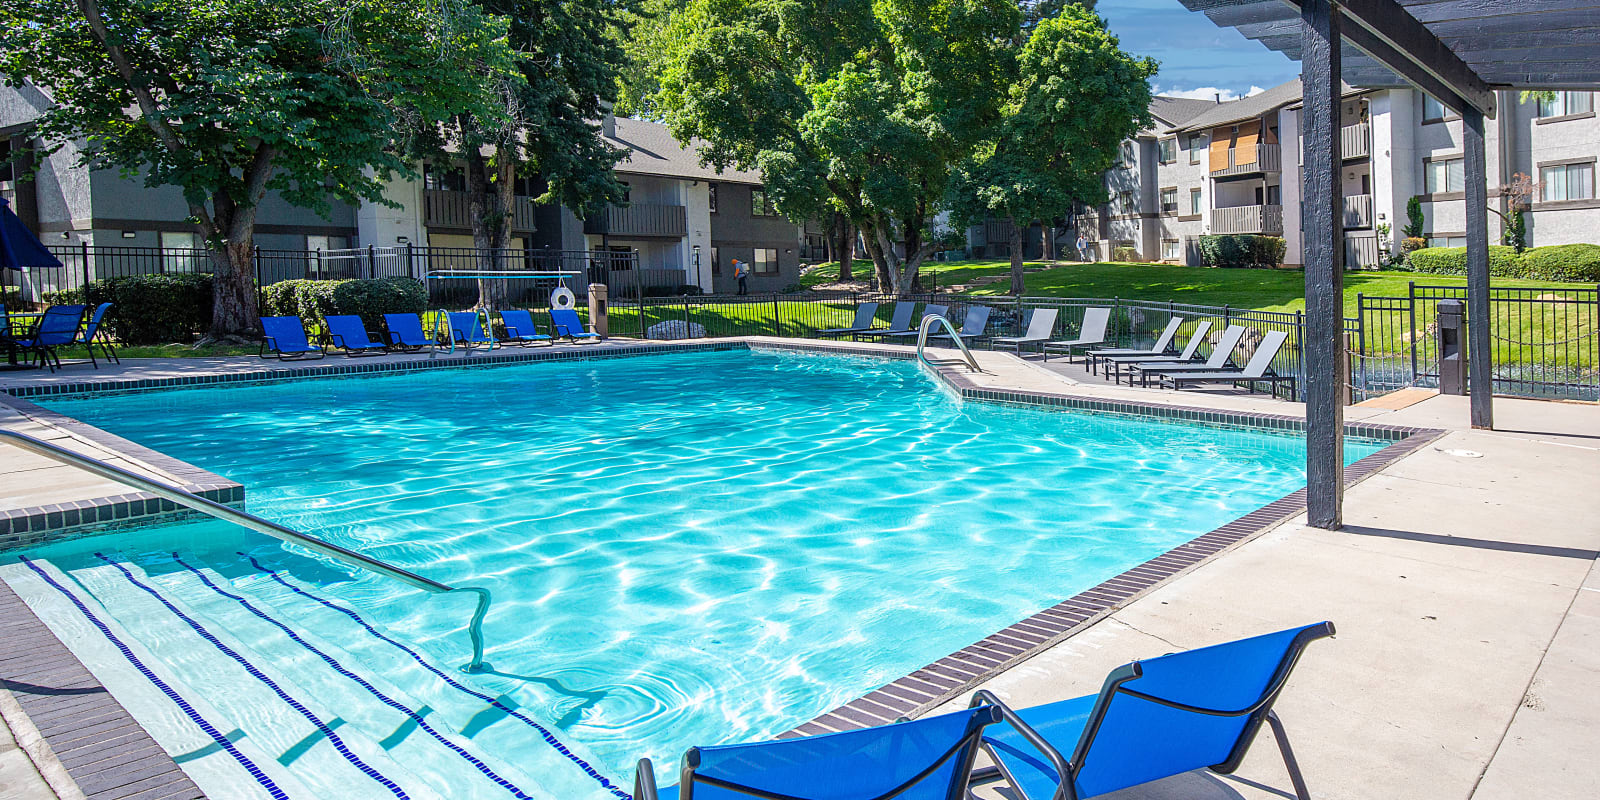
1454,171
1559,182
1566,104
764,261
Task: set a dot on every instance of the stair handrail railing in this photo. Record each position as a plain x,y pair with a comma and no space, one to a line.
922,340
273,529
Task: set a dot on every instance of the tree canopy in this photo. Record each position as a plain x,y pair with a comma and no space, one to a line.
235,98
1076,98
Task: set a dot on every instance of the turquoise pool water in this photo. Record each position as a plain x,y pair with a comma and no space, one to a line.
683,549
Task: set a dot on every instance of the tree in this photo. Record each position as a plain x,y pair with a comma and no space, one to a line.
567,60
863,107
235,98
1518,196
1076,98
1414,220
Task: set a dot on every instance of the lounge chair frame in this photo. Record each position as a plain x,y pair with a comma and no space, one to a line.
1162,346
270,343
1052,314
394,341
515,335
1258,712
1098,316
864,311
899,323
34,341
371,348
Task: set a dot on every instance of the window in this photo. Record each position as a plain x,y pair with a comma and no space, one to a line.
316,266
1432,110
1124,204
765,261
1444,175
1170,250
716,257
711,200
1195,146
1567,182
1128,158
1447,241
451,179
179,251
6,171
760,206
1562,104
1275,195
1194,201
1169,150
627,191
1169,201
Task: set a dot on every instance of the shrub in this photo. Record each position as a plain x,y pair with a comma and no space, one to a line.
1125,254
1516,232
1414,218
1564,262
1411,244
1503,261
149,309
1242,250
369,298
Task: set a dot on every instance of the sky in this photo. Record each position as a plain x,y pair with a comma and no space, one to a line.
1198,59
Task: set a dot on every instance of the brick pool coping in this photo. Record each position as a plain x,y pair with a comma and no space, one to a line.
111,756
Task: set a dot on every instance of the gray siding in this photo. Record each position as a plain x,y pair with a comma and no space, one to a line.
736,233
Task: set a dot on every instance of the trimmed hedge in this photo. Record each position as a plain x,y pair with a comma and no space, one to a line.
1242,250
1563,262
149,309
369,298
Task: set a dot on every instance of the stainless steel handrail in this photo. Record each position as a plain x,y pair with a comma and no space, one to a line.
922,340
255,523
441,319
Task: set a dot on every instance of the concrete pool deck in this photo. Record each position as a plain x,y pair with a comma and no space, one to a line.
1463,588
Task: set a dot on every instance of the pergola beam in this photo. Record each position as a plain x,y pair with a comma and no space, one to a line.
1386,31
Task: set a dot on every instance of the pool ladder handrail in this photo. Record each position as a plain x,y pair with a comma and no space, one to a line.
273,529
441,322
928,321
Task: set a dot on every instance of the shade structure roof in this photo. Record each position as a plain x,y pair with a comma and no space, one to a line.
19,248
1506,44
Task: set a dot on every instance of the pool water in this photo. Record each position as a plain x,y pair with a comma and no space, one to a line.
683,549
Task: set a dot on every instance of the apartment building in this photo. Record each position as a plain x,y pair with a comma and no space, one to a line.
1234,168
686,222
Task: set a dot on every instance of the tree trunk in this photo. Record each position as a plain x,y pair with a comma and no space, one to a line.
488,204
1047,241
234,311
845,247
1016,257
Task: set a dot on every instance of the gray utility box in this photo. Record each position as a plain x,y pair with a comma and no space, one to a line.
1452,321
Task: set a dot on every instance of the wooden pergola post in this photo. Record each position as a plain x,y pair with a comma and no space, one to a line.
1323,224
1480,348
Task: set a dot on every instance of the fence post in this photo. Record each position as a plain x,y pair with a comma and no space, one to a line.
1411,296
777,321
85,246
372,261
411,260
260,295
1361,346
1299,347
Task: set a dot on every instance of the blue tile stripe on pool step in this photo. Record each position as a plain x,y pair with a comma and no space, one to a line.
322,727
358,680
182,704
494,702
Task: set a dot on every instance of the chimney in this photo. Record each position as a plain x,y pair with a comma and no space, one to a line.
1218,95
608,120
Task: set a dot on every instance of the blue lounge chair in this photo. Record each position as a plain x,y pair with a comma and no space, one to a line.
1152,719
405,333
865,320
284,338
569,326
467,328
520,328
349,332
87,337
58,327
925,759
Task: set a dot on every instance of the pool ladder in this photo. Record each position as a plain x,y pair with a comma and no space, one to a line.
442,332
255,523
922,341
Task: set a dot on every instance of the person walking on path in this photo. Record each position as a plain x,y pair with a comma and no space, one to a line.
741,270
1083,248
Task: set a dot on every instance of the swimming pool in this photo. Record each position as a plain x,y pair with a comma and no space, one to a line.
684,549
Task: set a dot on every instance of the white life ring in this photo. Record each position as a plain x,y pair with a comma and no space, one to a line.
562,298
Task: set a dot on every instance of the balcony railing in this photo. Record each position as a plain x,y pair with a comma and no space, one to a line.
448,209
1246,160
640,219
1358,211
1355,141
1247,219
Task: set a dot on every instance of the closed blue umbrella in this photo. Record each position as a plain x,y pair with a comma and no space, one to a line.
19,248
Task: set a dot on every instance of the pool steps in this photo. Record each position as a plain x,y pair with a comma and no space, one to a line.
384,739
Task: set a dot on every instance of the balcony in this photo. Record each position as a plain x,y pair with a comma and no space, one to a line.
1261,158
653,220
1358,211
447,209
1355,141
997,231
1248,219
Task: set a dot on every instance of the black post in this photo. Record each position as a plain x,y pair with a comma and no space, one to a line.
1324,259
372,262
1480,352
260,289
85,245
411,260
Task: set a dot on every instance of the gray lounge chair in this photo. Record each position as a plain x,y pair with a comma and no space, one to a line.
1220,359
899,323
1041,326
972,327
1113,364
1162,345
930,310
1257,370
866,314
1091,332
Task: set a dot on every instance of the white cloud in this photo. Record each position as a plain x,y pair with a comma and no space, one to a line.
1206,92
